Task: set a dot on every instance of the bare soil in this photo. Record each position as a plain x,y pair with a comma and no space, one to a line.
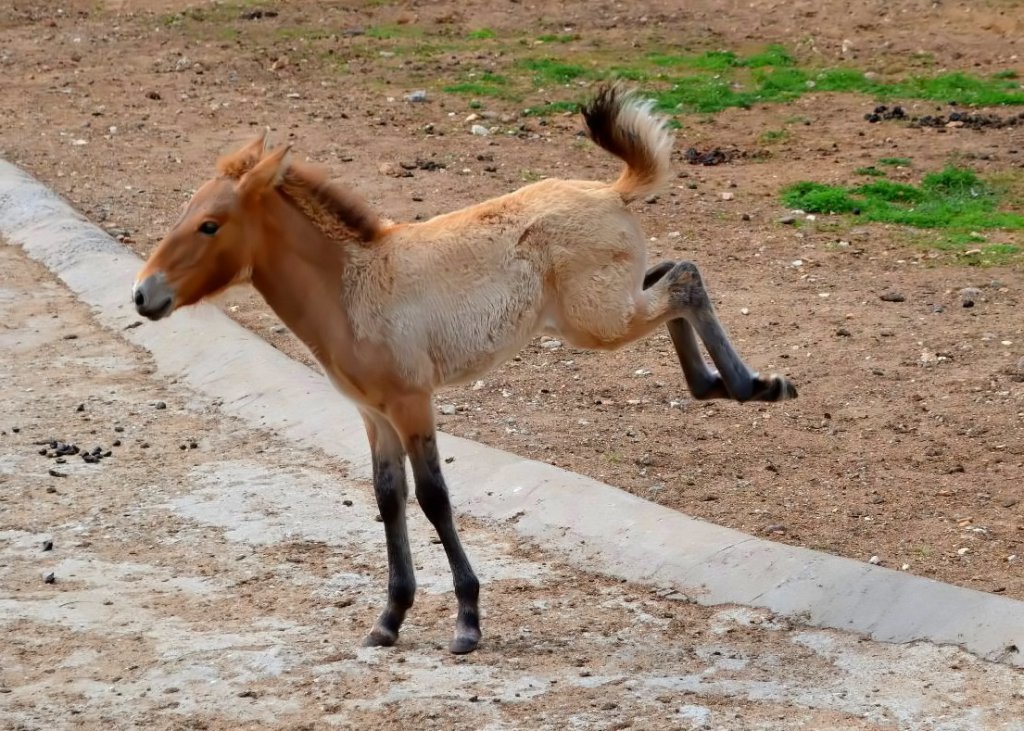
207,575
907,443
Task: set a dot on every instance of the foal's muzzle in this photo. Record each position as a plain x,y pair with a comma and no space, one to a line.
153,297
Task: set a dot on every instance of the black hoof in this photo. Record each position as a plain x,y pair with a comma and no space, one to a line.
774,388
464,642
380,637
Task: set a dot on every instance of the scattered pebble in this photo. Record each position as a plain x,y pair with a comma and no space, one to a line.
874,561
55,473
551,344
420,95
160,405
447,409
970,295
787,220
728,196
844,333
962,551
347,503
49,578
892,296
48,545
479,130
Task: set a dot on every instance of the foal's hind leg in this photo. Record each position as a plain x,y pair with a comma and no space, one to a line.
391,490
734,378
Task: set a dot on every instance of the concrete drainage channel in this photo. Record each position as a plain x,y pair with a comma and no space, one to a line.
618,534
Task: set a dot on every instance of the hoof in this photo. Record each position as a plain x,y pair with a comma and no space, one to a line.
380,637
464,643
783,389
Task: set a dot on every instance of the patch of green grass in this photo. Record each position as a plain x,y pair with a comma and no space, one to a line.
903,162
481,34
774,135
870,171
1006,74
550,108
973,249
550,71
388,31
485,84
954,199
561,38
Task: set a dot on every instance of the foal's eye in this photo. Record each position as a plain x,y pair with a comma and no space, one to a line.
208,227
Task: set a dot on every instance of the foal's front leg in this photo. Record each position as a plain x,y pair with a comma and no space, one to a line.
416,423
392,492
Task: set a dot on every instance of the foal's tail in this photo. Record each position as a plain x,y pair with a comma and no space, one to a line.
624,125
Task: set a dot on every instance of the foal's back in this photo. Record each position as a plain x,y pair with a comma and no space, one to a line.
459,293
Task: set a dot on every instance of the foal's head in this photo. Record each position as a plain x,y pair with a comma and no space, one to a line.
212,245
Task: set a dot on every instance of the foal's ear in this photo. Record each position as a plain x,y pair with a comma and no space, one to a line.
267,174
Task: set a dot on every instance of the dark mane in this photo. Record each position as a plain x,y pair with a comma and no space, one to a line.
336,210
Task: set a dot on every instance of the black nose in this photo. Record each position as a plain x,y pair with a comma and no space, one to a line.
140,299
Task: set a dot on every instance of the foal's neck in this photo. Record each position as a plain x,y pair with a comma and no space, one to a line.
299,271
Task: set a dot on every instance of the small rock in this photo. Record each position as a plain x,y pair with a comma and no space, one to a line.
551,344
727,196
744,310
447,409
49,578
160,405
80,407
278,329
479,130
844,333
892,296
55,473
874,561
970,295
154,95
652,198
47,545
787,220
347,503
776,529
962,551
420,95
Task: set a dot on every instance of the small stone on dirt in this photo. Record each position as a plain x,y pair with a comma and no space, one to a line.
160,405
47,545
479,130
49,578
844,333
447,409
892,296
874,561
787,220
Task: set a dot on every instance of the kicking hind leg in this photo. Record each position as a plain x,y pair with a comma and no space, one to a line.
733,379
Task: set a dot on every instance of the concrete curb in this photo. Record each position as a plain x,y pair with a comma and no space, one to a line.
591,524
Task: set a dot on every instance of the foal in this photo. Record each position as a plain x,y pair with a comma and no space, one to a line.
394,311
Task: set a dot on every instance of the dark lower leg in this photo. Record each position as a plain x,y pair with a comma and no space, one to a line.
391,491
703,382
734,378
432,494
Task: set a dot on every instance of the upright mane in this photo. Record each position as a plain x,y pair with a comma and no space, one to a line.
336,210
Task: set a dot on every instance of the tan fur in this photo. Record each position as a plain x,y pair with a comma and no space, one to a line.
393,312
441,301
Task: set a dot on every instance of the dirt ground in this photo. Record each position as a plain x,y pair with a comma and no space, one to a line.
207,576
907,443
